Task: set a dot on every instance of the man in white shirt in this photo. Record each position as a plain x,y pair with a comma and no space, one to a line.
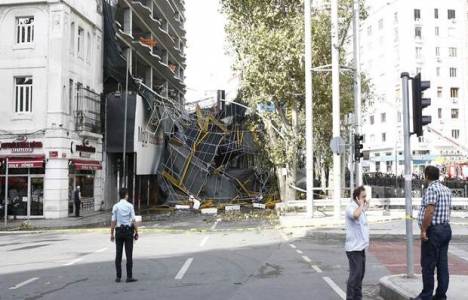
123,222
357,240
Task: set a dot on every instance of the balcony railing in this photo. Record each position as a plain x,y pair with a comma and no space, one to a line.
88,111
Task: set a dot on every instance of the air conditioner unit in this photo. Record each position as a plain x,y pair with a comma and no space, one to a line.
455,100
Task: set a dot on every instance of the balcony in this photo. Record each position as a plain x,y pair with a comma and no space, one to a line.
88,111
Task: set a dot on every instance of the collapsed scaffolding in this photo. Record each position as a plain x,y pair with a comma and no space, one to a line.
210,155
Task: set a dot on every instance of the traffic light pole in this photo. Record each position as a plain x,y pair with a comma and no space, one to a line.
408,176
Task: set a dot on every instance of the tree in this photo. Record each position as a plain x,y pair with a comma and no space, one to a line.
267,38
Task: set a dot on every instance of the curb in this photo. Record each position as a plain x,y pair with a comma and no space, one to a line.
390,291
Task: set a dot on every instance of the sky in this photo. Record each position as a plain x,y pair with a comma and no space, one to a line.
209,68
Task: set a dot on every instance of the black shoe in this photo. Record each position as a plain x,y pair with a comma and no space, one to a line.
131,280
117,279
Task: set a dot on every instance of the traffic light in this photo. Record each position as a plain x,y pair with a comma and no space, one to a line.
358,147
419,103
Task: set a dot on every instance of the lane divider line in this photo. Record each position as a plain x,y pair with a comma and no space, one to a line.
335,287
24,283
293,246
299,251
203,242
215,224
73,262
100,250
317,269
306,259
184,269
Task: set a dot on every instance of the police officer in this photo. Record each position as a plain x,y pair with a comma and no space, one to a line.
123,222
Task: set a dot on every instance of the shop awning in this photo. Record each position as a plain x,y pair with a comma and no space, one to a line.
26,162
88,165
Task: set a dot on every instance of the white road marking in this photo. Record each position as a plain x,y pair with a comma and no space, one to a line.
184,269
73,262
100,250
317,269
203,242
299,251
214,225
306,259
458,252
24,283
293,246
335,287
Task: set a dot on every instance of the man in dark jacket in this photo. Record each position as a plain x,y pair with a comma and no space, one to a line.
77,200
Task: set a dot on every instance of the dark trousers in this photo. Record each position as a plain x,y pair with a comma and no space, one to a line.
357,268
77,208
434,255
124,236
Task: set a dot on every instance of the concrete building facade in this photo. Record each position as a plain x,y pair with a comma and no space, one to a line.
50,125
421,36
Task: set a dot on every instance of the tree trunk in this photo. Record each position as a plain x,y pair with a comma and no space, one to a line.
293,149
281,183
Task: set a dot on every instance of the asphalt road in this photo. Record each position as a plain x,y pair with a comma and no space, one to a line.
244,264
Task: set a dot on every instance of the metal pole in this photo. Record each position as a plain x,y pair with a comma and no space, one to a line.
309,109
336,104
5,206
409,208
124,153
357,85
351,162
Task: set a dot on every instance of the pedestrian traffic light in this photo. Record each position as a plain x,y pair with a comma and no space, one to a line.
358,139
419,103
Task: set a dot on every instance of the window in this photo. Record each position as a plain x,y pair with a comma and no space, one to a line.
417,32
380,24
71,96
453,72
383,117
23,94
384,137
437,33
455,133
377,166
417,14
438,71
80,43
452,52
455,113
437,51
451,14
439,113
418,52
88,48
439,92
436,13
24,30
371,120
72,38
389,166
454,92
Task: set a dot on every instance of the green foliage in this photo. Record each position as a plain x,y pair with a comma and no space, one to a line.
267,38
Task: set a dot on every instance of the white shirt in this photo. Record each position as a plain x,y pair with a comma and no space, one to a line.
357,231
123,213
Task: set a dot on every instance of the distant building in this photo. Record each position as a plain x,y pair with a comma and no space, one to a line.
50,125
420,36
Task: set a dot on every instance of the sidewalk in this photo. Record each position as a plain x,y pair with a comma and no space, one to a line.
400,287
381,226
87,220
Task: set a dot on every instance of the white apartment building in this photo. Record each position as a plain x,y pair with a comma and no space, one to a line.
50,124
419,36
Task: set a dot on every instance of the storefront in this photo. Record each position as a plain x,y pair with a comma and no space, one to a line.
82,173
25,189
